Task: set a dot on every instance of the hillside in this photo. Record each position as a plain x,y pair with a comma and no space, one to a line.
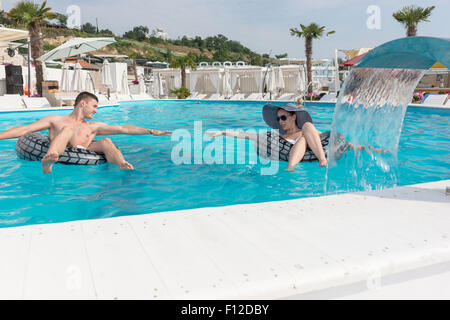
216,48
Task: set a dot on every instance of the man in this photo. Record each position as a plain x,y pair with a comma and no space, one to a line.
73,130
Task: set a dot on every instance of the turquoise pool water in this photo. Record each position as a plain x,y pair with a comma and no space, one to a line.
27,196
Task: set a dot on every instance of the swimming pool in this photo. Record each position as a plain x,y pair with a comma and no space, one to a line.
27,196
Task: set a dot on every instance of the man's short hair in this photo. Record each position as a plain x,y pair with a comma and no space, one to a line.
85,96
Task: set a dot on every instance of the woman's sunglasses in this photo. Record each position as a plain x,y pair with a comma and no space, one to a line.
283,117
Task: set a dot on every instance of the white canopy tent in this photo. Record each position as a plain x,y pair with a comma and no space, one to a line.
246,79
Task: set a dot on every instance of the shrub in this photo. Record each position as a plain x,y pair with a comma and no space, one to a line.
181,93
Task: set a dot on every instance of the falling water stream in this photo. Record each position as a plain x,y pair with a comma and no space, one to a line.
369,114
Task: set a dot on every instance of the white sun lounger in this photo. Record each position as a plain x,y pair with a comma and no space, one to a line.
192,96
36,103
201,96
255,96
435,99
124,97
197,96
11,102
329,97
238,96
216,96
286,96
142,96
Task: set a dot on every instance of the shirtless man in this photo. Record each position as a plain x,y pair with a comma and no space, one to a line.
73,130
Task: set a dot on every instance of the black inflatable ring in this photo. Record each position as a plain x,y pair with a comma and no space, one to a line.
34,146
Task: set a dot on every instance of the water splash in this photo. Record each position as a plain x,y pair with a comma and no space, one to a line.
369,113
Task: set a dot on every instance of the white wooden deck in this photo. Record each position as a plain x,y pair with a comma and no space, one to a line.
384,244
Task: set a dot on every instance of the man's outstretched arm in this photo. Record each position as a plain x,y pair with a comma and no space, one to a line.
106,130
16,132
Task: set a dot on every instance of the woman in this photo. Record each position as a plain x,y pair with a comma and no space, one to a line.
295,127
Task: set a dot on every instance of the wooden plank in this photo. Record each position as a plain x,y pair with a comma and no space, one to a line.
185,267
311,265
256,274
14,251
58,266
121,269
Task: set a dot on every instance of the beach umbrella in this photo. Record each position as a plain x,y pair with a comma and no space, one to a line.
160,85
88,85
280,80
351,62
125,89
141,84
227,90
106,74
238,83
44,72
77,80
300,85
271,85
76,46
65,84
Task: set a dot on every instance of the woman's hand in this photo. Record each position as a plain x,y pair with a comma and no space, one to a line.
213,134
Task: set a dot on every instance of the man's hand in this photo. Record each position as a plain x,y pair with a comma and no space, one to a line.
159,133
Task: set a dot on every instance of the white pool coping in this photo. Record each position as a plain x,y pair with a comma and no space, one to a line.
21,109
380,244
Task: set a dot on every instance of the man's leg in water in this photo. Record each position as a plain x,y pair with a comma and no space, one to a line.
56,148
112,154
314,143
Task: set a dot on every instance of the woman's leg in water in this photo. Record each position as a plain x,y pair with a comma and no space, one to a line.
314,142
297,153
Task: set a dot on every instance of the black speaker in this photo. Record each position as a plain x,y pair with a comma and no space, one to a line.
14,89
14,80
12,70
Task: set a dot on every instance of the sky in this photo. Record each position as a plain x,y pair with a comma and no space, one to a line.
261,25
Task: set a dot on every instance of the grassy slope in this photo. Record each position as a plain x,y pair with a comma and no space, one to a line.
127,47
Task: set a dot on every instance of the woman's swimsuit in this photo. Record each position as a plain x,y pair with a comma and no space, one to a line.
270,145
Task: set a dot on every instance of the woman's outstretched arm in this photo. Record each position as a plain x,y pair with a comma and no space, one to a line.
235,134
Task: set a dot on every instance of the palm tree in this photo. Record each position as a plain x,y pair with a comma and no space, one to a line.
32,16
183,62
410,17
310,32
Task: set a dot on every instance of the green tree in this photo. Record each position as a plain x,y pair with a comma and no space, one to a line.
107,32
138,33
411,16
33,16
168,56
309,32
89,28
4,18
62,19
280,56
183,62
